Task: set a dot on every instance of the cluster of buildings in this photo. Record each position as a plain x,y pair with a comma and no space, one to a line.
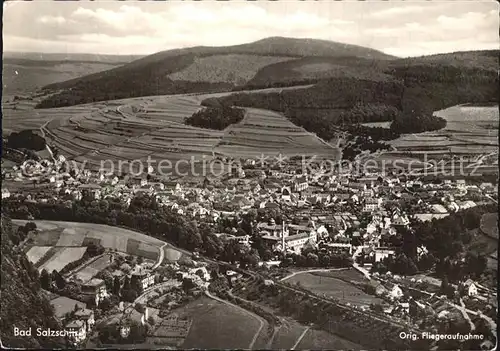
319,208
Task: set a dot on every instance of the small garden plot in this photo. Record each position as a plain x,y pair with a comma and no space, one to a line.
48,237
92,269
138,248
37,252
71,237
64,257
47,257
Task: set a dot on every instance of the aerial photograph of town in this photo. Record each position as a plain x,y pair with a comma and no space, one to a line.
285,175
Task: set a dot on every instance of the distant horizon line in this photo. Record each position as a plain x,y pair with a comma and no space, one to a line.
144,55
232,45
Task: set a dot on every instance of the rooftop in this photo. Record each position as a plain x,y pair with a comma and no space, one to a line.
94,282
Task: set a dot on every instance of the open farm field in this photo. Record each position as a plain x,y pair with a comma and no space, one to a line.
217,326
138,248
344,274
53,233
288,334
62,258
321,340
35,253
91,270
133,129
469,129
332,287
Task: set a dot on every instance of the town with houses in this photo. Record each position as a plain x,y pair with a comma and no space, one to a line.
352,215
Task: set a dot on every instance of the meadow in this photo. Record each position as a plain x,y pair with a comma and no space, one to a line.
217,325
333,287
315,339
58,243
90,270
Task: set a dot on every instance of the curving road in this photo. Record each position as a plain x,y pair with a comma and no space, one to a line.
161,257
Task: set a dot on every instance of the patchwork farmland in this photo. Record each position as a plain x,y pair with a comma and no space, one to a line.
469,128
57,244
90,270
138,128
471,133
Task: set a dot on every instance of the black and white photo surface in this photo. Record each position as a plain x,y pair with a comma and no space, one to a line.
250,175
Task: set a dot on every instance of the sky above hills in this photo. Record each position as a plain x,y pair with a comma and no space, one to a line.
142,28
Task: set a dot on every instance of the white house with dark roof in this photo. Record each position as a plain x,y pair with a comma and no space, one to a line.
77,331
5,193
287,237
87,316
469,288
97,288
145,277
300,184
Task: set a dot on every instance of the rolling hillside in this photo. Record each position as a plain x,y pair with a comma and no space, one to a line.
28,72
416,87
192,69
311,69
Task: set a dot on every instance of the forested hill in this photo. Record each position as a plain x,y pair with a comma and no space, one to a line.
22,304
198,69
413,87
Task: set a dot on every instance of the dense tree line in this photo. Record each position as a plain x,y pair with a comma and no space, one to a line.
408,100
143,214
23,305
317,258
215,117
26,139
417,124
446,240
